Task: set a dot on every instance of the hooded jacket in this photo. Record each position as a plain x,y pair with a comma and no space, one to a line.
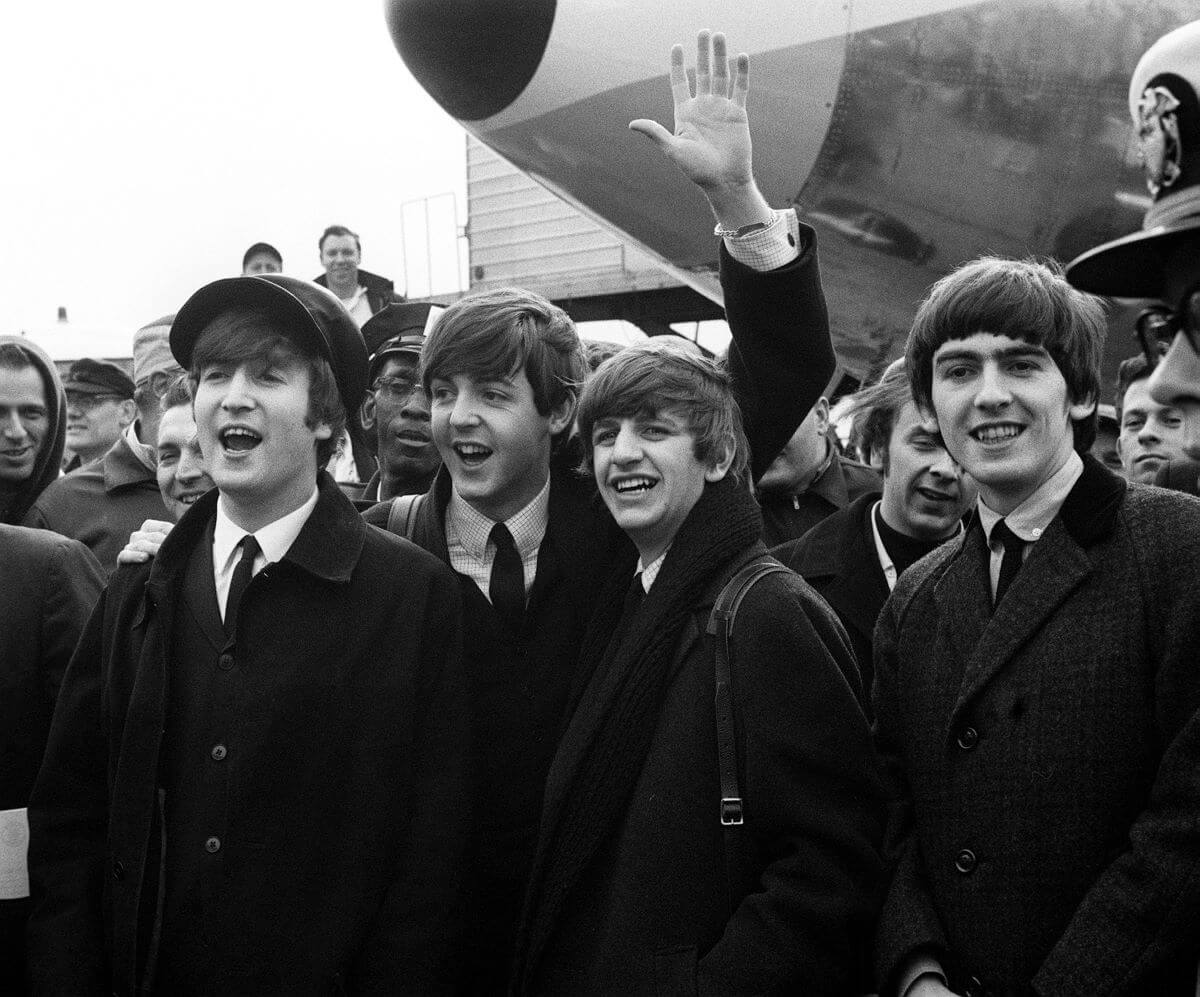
13,507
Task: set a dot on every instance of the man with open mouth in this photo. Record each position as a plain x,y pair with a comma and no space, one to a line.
265,726
854,557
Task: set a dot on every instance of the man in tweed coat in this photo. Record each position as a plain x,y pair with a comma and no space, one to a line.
1042,747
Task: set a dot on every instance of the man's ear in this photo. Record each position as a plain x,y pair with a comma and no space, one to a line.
128,413
366,411
561,415
821,415
1081,410
718,468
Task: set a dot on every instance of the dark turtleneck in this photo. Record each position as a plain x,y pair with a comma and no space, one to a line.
905,551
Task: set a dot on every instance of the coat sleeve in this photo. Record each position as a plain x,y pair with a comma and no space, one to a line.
814,809
1139,917
781,356
73,585
908,924
422,953
68,824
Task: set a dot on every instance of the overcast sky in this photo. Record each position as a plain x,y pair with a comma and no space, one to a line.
149,142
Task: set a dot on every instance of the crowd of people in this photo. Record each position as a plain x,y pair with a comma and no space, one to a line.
368,647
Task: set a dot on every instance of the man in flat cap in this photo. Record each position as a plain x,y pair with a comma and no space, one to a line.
102,502
255,781
99,408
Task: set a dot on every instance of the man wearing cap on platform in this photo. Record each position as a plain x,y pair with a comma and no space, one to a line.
255,781
395,412
103,502
99,408
260,258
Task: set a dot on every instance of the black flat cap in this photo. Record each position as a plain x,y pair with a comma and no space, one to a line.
98,377
311,314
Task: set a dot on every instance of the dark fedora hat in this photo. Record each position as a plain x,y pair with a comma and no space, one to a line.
1166,117
311,314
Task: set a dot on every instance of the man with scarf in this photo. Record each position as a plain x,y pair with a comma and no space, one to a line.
635,886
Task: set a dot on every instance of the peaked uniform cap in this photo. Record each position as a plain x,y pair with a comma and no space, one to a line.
1165,109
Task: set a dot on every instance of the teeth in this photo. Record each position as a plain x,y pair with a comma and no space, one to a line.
472,449
239,438
990,434
634,485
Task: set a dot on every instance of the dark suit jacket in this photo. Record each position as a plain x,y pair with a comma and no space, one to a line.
653,913
837,557
1044,759
51,584
341,855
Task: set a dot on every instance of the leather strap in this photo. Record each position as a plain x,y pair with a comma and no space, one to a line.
402,516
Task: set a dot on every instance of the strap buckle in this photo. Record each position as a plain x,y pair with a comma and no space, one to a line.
731,811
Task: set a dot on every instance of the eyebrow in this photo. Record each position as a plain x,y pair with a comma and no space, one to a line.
1007,353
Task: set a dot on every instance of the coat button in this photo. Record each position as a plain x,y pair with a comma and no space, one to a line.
225,662
219,752
968,737
965,861
118,870
212,845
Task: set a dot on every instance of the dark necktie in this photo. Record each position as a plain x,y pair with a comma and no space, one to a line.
241,578
1010,564
633,598
507,586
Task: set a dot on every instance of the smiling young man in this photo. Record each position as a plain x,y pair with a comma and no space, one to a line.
181,470
33,418
502,369
1035,680
634,888
256,781
854,557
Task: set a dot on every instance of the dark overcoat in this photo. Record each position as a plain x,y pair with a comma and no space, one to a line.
50,586
656,912
1044,759
343,847
838,558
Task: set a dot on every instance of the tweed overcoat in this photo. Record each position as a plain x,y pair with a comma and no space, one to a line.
657,911
342,851
1045,760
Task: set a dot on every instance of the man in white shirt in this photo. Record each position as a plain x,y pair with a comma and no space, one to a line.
262,744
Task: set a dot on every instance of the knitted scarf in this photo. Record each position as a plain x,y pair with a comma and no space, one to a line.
630,666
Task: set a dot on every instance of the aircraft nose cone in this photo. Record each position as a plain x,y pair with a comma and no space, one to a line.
473,56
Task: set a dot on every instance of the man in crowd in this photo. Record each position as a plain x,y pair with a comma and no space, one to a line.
508,512
632,860
809,480
1151,434
1036,690
363,293
395,412
101,504
288,813
100,408
181,471
262,257
854,557
33,419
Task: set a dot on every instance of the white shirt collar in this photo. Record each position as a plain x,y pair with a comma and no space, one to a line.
473,529
650,571
274,539
1030,519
